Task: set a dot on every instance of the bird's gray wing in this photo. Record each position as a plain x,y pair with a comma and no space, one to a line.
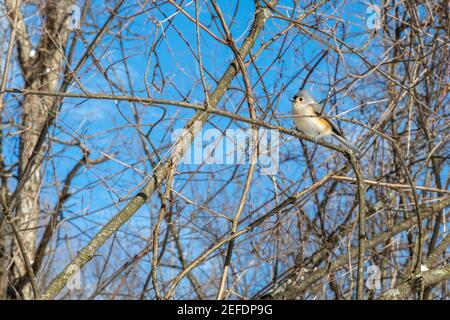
319,110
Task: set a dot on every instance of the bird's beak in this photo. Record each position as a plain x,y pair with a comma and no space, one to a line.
291,99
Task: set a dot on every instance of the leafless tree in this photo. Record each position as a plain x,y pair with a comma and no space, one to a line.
97,198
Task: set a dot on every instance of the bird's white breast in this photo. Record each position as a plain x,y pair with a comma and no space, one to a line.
306,120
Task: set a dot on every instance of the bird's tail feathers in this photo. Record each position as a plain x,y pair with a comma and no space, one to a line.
347,144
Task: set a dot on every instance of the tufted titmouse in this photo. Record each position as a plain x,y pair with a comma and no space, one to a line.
308,119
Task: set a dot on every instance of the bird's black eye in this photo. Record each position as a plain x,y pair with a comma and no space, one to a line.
300,98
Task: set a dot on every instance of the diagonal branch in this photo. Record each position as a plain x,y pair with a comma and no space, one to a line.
422,280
